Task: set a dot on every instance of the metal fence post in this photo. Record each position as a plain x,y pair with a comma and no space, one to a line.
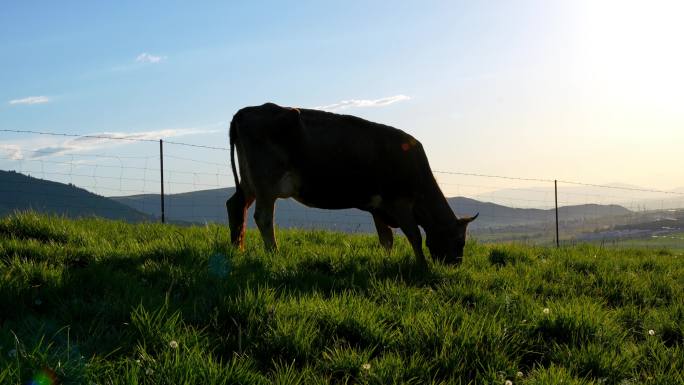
555,189
161,170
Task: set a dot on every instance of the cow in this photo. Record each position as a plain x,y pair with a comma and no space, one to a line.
332,161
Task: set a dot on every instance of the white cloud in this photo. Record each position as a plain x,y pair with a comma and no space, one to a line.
149,58
12,151
96,141
355,103
31,100
40,146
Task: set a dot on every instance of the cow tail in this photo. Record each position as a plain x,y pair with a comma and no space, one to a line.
232,137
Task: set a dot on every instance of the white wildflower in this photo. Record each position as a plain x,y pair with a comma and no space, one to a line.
149,371
508,382
366,366
173,344
519,374
651,332
547,310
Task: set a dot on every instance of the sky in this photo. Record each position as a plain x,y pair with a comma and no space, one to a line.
589,91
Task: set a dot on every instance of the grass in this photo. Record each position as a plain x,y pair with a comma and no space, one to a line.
95,301
672,241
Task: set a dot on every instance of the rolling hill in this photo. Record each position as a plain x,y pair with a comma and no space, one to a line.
495,215
22,192
209,206
636,198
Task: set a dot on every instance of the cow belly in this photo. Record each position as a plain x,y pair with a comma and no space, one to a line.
288,185
329,201
333,196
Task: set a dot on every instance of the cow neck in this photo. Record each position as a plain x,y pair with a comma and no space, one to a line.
435,209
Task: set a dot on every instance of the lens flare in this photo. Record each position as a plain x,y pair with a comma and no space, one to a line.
45,377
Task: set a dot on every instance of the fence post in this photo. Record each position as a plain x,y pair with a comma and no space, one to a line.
555,190
161,170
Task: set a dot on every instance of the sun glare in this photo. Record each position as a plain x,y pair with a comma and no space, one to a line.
630,52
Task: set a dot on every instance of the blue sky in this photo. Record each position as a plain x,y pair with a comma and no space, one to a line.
567,90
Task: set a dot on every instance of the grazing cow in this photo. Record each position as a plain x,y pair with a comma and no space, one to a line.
332,161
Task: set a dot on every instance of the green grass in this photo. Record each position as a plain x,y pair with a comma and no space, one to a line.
673,241
94,301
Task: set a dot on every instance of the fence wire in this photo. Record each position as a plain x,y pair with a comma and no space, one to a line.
127,186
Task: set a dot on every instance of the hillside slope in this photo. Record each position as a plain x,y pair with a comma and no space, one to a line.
22,192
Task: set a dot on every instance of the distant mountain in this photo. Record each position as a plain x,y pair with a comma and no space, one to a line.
493,215
633,197
209,206
197,206
21,192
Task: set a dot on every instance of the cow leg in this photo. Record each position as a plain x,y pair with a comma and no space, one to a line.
408,225
237,206
263,216
384,233
412,232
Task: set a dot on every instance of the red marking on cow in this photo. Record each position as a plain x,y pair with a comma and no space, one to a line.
405,146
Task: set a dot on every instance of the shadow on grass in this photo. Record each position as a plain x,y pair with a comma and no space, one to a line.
322,277
95,295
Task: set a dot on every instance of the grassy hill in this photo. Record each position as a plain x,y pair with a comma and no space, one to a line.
22,192
96,301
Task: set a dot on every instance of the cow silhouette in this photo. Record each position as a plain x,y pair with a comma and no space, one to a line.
334,161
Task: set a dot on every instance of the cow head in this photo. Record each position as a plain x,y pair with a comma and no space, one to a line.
446,244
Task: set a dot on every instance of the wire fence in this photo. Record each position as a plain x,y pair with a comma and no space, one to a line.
126,185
